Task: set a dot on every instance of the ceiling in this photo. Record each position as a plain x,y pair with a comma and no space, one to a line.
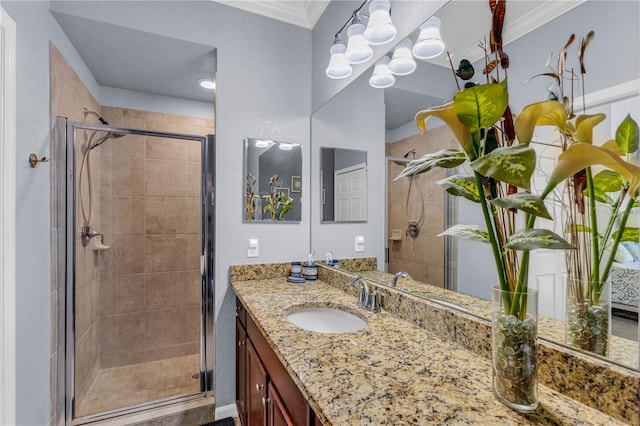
151,63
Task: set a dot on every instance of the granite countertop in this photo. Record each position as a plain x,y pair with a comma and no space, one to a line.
391,372
623,351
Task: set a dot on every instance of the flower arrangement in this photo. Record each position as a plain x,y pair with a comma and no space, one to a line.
278,202
496,146
250,197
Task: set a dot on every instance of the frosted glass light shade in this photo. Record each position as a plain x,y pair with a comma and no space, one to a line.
358,50
382,76
380,29
402,62
429,43
338,66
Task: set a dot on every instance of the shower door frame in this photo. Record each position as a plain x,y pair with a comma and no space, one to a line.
65,179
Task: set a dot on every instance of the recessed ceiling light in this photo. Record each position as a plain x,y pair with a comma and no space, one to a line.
207,83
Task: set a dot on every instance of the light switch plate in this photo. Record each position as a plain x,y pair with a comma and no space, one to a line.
252,247
359,246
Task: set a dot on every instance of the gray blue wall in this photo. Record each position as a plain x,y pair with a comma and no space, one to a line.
261,92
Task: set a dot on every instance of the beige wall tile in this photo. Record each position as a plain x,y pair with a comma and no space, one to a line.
165,253
165,290
166,178
194,183
194,288
129,294
127,176
166,149
193,252
194,150
129,146
121,333
167,215
84,309
171,327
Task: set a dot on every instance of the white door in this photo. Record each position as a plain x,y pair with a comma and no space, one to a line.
547,267
350,190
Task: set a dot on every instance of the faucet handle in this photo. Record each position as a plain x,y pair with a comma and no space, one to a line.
375,300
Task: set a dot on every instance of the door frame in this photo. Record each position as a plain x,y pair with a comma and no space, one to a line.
8,219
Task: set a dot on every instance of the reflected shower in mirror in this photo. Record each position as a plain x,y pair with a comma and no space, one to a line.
272,181
343,185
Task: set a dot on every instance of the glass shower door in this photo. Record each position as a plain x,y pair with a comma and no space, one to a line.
141,290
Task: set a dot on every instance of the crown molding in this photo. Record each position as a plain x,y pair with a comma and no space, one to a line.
299,13
612,94
539,16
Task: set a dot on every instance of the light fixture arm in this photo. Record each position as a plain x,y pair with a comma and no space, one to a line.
357,10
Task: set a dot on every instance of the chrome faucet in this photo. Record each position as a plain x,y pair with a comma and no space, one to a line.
375,300
401,274
363,296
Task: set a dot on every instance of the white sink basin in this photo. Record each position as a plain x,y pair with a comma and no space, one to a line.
326,320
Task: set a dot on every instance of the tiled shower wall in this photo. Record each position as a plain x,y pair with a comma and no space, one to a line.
68,99
149,287
422,257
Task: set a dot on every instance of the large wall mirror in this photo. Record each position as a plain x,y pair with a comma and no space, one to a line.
464,266
273,185
343,184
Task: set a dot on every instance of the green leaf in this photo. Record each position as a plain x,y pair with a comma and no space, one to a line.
445,158
514,165
627,135
531,239
599,196
524,201
481,106
578,228
461,186
608,181
629,234
468,232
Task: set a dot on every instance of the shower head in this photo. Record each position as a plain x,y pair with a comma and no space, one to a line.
104,138
98,116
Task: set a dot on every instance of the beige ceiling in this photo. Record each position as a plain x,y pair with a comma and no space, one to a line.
303,13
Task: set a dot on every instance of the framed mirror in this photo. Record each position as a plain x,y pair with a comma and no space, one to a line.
272,188
343,185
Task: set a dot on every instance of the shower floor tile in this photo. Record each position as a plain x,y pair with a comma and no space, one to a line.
135,384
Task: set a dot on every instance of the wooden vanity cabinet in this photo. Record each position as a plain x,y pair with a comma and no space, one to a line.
265,393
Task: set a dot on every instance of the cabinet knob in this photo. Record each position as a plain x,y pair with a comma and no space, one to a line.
265,401
241,342
258,387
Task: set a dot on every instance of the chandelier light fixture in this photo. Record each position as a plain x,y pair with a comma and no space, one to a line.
382,76
358,49
402,62
338,66
429,44
380,30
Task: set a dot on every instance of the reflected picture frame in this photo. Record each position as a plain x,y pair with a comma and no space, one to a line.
296,184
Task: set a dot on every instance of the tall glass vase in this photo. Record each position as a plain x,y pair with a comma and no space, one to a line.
514,349
588,325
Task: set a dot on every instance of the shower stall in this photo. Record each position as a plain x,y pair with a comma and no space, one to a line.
135,251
